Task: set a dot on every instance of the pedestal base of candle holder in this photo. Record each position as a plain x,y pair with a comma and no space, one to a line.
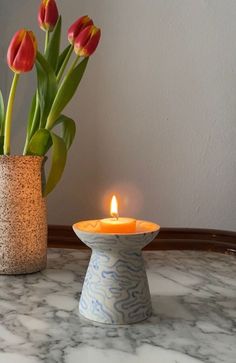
115,289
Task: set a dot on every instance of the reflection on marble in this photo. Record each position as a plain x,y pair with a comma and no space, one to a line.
194,319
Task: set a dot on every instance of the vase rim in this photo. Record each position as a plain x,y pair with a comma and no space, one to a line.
22,156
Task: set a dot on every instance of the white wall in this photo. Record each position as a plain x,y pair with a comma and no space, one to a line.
156,111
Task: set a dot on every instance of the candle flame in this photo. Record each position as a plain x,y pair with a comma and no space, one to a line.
114,207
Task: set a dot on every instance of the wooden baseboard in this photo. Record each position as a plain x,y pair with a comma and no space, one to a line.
168,239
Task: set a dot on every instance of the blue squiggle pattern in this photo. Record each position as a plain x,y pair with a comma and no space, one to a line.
115,289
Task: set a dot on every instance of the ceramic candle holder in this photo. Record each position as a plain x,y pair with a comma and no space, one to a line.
115,289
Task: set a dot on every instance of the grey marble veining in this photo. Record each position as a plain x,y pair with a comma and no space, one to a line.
194,313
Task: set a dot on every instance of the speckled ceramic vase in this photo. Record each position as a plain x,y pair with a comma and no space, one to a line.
115,289
23,220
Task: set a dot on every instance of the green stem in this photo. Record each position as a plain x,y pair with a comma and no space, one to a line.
73,66
33,126
64,64
8,120
46,41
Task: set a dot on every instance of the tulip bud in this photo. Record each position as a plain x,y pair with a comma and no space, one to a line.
77,27
87,41
48,15
22,51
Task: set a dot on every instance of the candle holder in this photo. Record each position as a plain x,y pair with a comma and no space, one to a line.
115,289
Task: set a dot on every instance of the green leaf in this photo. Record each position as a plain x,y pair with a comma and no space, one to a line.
33,117
66,92
68,130
53,48
47,87
2,114
62,57
1,145
59,155
31,114
40,143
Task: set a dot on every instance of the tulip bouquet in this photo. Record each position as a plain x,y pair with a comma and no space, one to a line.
57,81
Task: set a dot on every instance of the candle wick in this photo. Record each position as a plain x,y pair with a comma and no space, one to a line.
115,216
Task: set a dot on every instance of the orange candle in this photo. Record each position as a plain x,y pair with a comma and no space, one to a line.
117,224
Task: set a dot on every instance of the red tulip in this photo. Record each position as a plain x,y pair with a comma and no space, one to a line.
48,15
22,51
87,41
77,27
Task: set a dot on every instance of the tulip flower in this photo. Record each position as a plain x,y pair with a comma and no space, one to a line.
73,32
22,51
21,57
77,27
48,15
87,41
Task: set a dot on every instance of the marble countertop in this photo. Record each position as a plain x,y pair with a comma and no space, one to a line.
194,313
